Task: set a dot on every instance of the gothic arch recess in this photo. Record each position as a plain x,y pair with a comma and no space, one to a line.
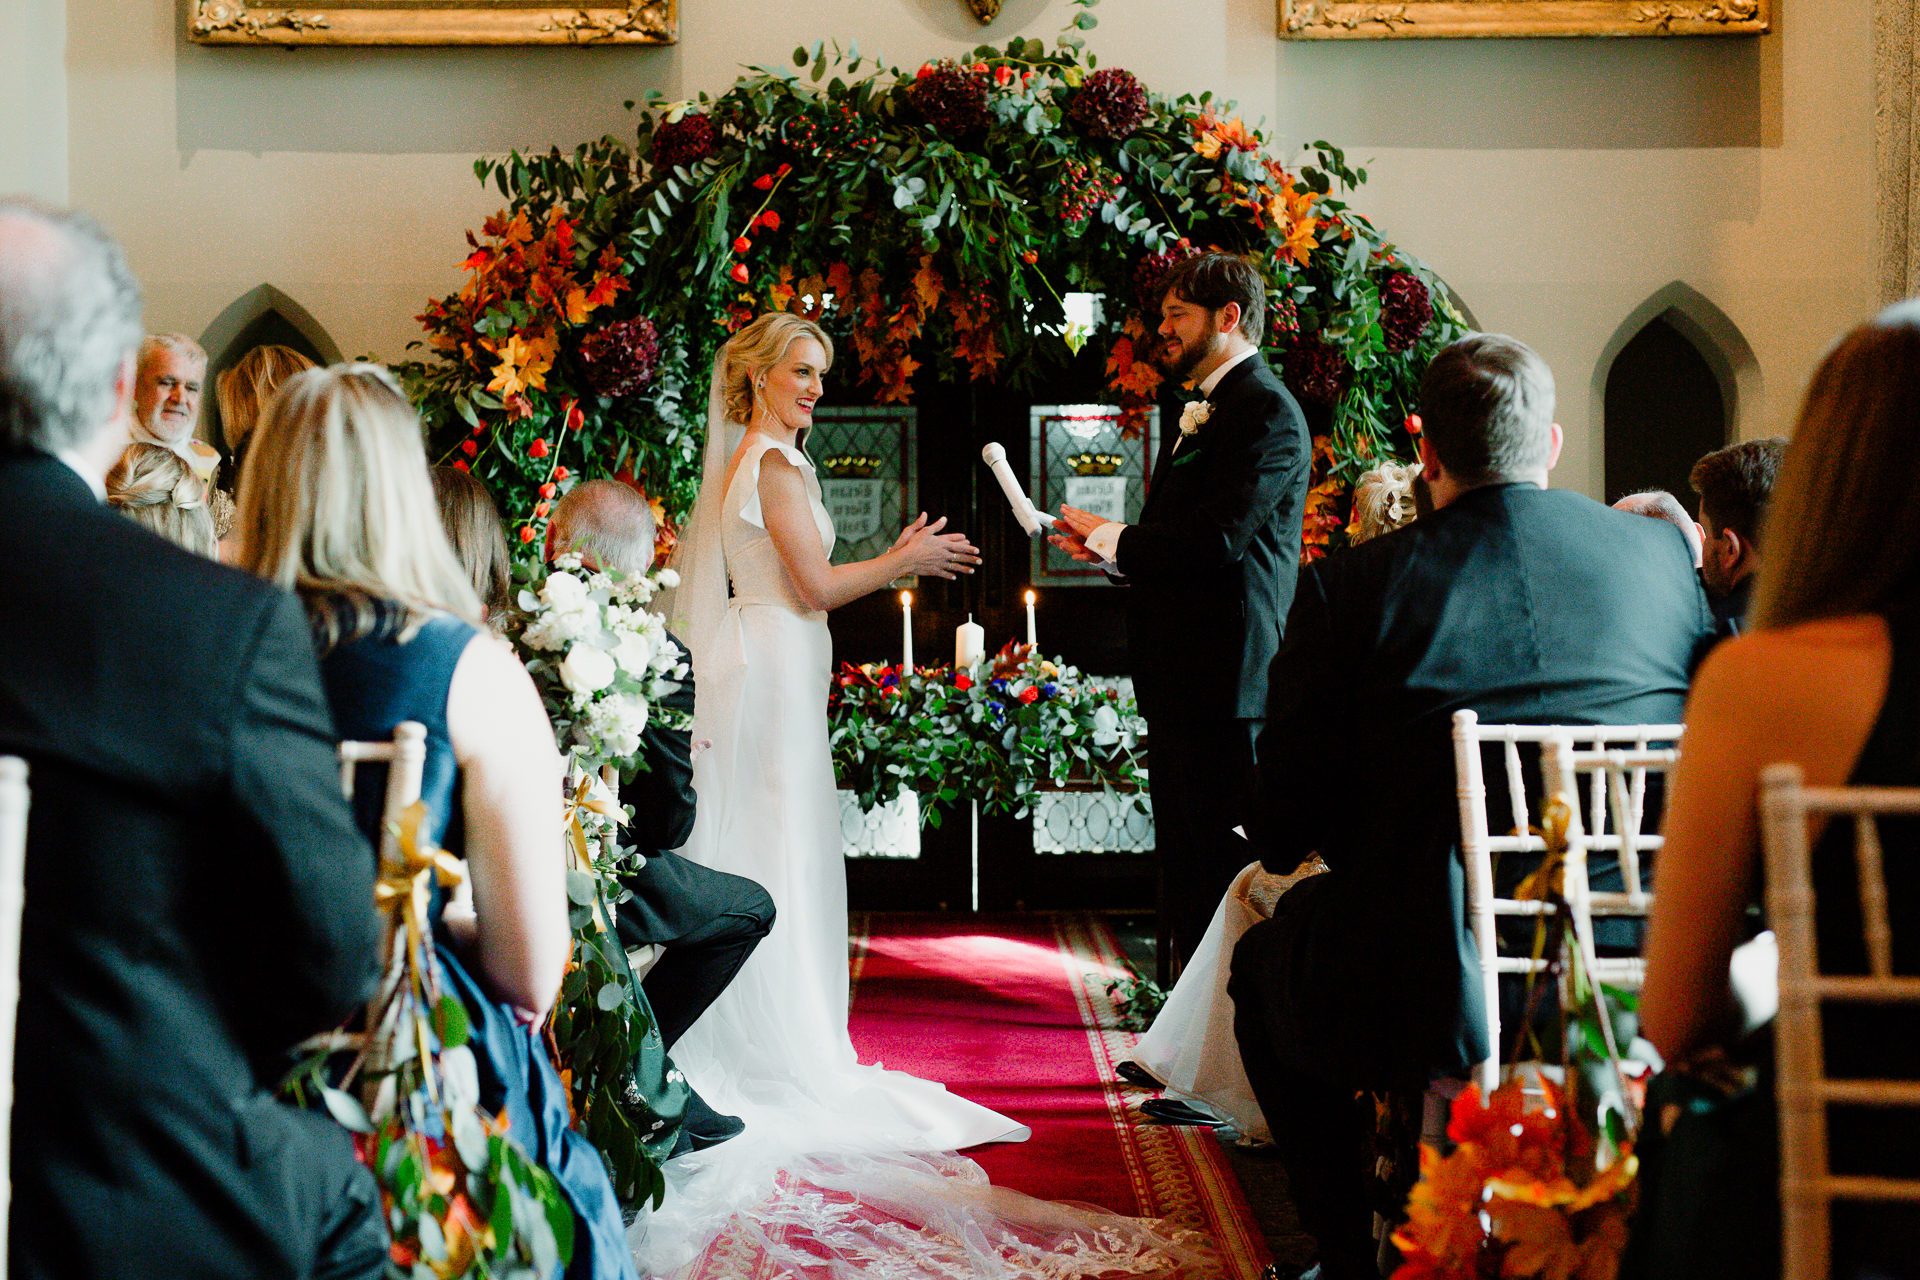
1693,331
259,317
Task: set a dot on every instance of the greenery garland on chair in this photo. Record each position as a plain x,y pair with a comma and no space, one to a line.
934,221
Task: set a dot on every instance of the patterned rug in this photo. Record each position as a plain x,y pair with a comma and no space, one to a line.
1013,1013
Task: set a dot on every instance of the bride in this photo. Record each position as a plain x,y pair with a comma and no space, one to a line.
843,1168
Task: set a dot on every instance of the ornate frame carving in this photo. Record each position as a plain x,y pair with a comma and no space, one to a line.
1415,19
424,22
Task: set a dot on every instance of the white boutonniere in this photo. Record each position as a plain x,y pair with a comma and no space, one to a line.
1192,418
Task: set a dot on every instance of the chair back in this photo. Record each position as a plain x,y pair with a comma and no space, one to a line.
1478,844
1605,816
406,760
1807,1186
13,870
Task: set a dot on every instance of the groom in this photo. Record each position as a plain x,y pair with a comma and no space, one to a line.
1211,565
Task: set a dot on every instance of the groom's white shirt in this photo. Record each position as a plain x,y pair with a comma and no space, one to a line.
1105,541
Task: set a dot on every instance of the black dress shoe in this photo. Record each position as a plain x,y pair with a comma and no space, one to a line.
704,1127
1169,1111
1135,1074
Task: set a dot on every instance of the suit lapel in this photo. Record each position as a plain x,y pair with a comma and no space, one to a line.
1223,393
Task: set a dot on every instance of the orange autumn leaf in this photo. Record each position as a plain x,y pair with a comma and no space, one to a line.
927,284
603,290
782,293
840,279
1539,1241
897,382
577,307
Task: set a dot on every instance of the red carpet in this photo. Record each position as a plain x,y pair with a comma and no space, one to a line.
1012,1012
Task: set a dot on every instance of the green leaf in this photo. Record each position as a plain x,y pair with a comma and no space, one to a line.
610,996
581,887
1086,21
800,57
346,1109
450,1022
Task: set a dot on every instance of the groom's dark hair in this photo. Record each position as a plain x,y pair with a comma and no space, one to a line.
1212,280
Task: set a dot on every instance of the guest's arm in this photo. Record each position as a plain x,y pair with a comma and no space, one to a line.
510,795
1808,695
307,871
1250,473
1290,802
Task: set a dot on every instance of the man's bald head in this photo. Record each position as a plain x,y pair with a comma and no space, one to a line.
69,323
607,522
1661,505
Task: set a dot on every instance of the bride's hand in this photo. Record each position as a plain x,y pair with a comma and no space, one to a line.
919,523
927,550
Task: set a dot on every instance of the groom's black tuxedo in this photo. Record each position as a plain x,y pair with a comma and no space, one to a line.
708,921
197,899
1211,565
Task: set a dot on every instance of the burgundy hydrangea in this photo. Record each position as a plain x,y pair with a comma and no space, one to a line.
1283,320
1406,309
951,98
684,141
1153,268
1316,371
619,359
1110,104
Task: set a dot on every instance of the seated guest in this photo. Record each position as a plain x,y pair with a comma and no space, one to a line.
166,399
156,488
1384,499
1523,603
338,507
1734,484
1661,505
243,391
708,921
1827,678
472,524
198,899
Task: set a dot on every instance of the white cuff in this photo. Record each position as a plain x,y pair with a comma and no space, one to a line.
1105,541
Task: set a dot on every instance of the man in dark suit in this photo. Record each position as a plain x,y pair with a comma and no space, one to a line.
1735,485
1211,566
197,897
1525,604
708,922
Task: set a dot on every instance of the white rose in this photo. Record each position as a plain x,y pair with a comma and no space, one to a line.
634,652
667,578
564,591
586,669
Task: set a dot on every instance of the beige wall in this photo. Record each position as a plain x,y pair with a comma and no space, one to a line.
1556,184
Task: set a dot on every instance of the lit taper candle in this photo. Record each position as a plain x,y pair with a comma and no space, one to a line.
906,630
1033,637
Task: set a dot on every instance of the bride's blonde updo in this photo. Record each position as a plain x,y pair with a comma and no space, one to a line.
756,349
156,487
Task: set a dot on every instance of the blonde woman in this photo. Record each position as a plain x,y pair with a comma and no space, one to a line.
773,1047
340,510
244,390
155,486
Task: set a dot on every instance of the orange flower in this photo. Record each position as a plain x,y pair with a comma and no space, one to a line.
1213,137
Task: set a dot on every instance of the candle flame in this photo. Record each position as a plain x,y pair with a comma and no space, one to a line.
906,599
1030,597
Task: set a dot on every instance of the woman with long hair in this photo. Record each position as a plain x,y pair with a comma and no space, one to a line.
472,522
337,507
824,1135
156,488
1829,679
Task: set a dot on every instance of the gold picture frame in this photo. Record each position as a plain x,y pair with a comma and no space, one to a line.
432,22
1421,19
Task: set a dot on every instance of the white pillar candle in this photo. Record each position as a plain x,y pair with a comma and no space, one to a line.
1032,634
969,644
906,630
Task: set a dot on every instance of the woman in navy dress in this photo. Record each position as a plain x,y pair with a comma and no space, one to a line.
337,506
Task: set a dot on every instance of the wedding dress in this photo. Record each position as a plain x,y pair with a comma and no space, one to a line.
843,1170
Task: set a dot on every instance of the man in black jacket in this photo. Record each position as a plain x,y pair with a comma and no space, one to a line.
1525,604
708,922
197,896
1211,566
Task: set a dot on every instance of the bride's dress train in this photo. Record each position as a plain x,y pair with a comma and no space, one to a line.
843,1169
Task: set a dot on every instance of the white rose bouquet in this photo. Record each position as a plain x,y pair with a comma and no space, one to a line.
601,660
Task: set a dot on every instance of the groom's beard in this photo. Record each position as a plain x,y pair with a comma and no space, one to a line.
1179,366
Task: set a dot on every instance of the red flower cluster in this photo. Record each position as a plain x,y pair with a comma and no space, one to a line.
1284,321
1111,104
1406,309
620,359
687,140
1153,268
1082,189
951,98
1316,371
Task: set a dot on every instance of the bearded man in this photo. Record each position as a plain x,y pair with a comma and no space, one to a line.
172,374
1211,566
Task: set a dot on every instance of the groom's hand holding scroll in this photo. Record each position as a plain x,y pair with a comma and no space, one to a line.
1072,530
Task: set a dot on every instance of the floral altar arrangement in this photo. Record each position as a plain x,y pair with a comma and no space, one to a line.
993,734
461,1197
934,221
601,661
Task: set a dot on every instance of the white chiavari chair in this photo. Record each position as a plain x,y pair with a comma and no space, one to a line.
1608,818
13,869
406,760
1478,844
1808,1188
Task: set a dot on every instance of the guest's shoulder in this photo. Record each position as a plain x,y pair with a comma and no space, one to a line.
1795,671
